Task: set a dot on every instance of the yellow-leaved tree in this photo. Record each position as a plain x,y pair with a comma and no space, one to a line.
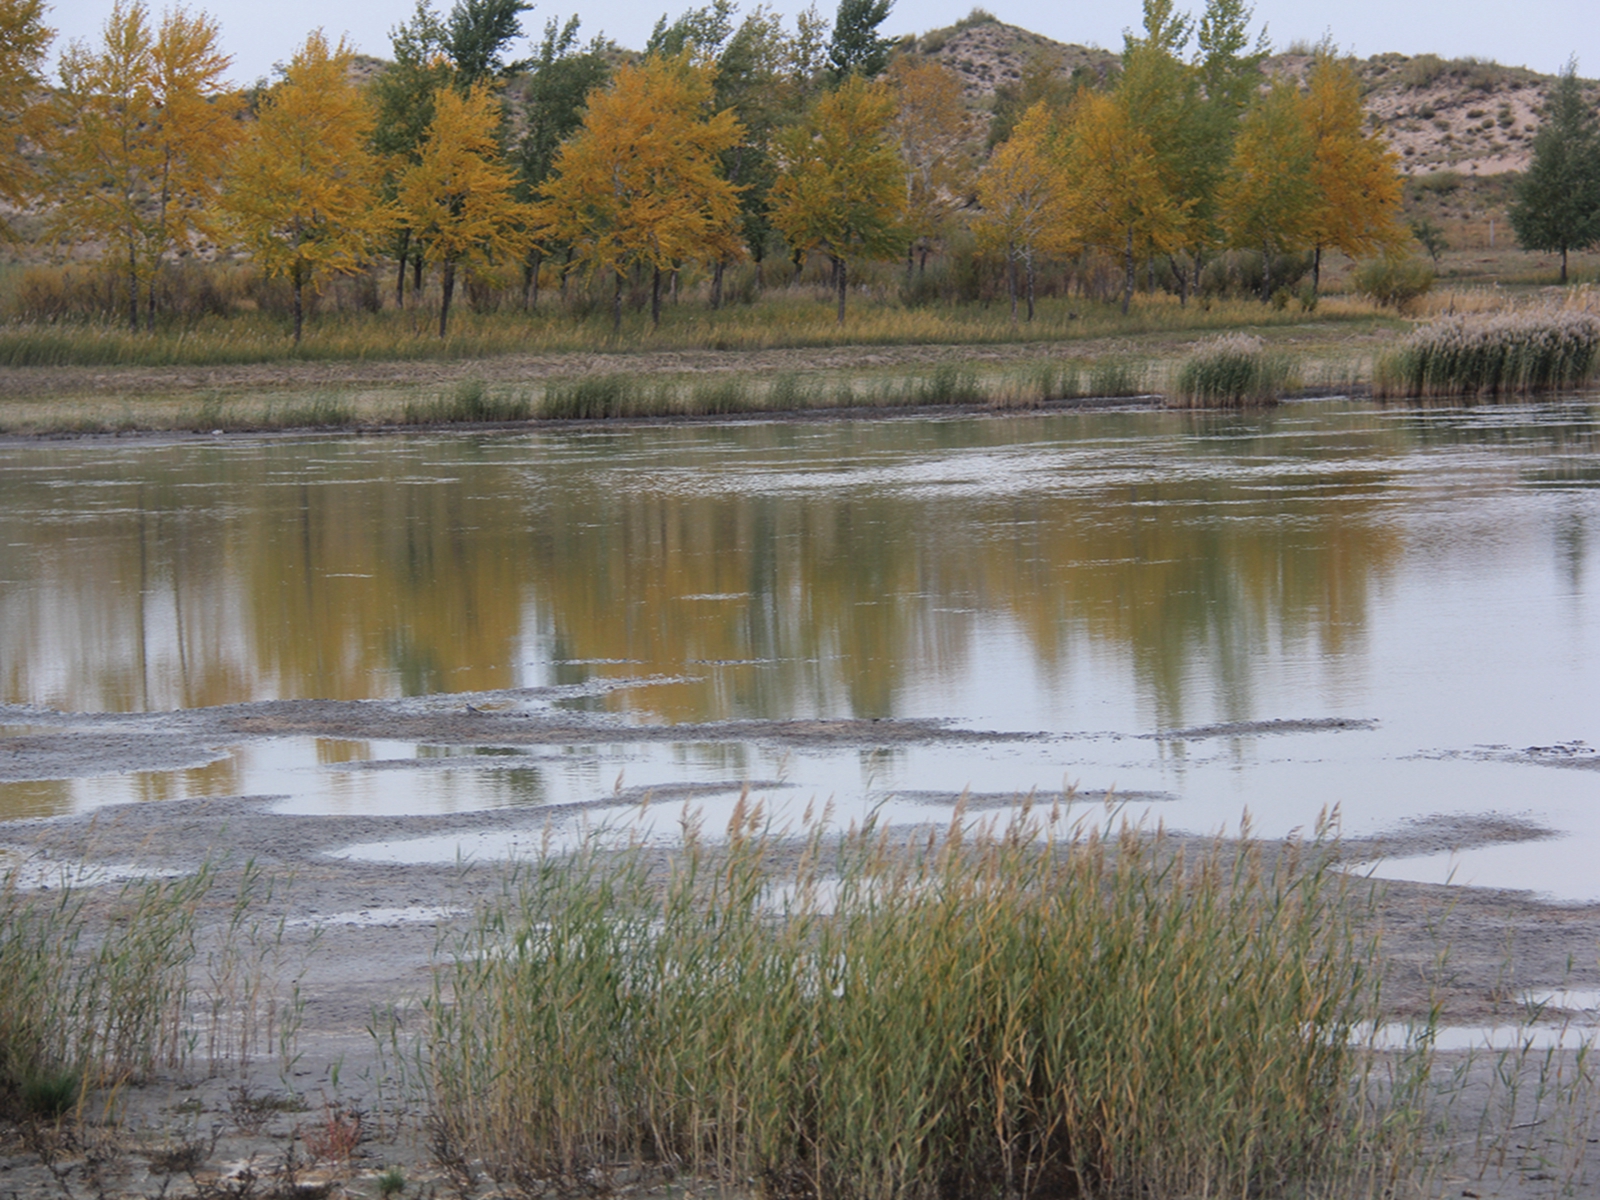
1269,198
1120,197
841,185
931,123
303,192
146,125
459,198
23,116
640,183
1020,201
1357,190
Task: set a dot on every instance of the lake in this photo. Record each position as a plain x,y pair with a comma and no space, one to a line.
1329,604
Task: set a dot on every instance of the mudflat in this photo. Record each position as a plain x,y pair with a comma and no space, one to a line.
326,1101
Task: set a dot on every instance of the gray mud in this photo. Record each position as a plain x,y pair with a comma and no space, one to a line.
358,942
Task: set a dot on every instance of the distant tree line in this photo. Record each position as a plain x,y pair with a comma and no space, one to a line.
729,138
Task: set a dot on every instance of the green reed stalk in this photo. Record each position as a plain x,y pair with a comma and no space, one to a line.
1018,1009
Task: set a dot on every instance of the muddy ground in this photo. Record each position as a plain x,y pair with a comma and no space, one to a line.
326,1110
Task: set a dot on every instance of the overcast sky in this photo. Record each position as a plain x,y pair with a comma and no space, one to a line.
1541,34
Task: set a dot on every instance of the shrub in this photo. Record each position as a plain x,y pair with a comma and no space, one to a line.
1509,354
1003,1010
1393,281
1230,371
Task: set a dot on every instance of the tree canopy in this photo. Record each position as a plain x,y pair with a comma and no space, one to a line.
1556,205
303,192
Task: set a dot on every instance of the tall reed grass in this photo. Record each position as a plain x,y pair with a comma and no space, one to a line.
1231,371
92,990
1027,1009
1508,354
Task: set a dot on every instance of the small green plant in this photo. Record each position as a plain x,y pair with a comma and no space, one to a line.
1232,370
391,1182
51,1094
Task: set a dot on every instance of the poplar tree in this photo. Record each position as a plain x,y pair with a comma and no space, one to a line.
1020,200
856,47
841,185
1119,195
1356,188
459,197
1556,204
24,39
1269,198
640,184
303,194
560,79
147,125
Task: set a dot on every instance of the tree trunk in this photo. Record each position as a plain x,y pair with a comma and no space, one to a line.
911,261
1128,276
1266,273
447,287
1031,275
400,275
1183,281
843,274
1316,270
716,285
133,290
655,299
416,274
1563,266
299,307
799,264
616,306
530,280
1011,280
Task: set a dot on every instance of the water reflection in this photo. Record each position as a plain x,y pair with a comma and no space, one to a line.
772,570
1124,572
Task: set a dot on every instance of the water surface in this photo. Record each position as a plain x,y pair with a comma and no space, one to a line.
1104,578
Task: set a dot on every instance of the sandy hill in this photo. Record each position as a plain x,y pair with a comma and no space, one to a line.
1464,115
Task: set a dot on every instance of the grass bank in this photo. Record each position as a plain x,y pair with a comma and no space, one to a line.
778,320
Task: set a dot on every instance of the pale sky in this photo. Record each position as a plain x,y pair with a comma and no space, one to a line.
1540,34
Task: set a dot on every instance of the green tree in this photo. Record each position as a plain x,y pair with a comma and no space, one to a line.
856,47
303,194
560,78
1269,199
1228,67
1556,204
476,35
841,185
459,196
24,116
402,97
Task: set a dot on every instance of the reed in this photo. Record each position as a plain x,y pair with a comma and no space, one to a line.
1023,1009
1230,372
1508,354
92,991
